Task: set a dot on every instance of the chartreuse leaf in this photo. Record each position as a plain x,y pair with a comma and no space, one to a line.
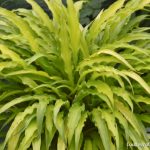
94,59
78,5
96,141
15,101
61,127
11,54
74,30
18,122
72,145
60,144
55,8
10,93
30,134
137,139
28,81
116,55
120,92
66,54
20,100
55,90
144,117
142,99
102,128
111,123
78,130
99,23
40,12
131,118
137,78
13,141
121,142
34,58
102,88
73,120
144,2
7,64
10,118
109,75
58,118
126,45
58,105
41,109
88,144
49,126
133,23
123,122
30,71
36,144
104,69
24,28
134,36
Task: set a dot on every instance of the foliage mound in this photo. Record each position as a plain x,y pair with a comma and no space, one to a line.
65,86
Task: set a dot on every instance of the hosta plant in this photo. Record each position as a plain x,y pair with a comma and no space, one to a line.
68,87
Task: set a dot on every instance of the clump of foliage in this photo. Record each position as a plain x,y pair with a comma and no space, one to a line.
91,9
65,86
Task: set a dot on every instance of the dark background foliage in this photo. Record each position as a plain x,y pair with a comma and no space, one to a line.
92,8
